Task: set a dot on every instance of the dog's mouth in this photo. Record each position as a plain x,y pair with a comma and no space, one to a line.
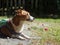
31,19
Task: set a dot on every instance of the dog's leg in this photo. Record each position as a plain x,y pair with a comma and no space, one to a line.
22,34
22,28
18,37
25,36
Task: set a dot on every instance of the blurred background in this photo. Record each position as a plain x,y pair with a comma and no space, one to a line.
47,22
37,8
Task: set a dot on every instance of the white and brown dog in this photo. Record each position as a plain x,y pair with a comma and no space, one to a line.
14,27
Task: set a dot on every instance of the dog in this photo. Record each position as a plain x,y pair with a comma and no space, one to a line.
14,26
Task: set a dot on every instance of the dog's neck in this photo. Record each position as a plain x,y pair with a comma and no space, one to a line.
17,23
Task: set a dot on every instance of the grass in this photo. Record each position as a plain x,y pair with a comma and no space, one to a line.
50,36
3,17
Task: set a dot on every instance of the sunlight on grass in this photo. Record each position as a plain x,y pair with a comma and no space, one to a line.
52,35
49,20
3,17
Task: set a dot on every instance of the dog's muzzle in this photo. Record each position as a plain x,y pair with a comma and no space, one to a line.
30,18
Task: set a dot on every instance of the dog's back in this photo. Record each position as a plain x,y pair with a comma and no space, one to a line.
3,25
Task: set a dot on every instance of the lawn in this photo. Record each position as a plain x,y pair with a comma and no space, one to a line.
47,29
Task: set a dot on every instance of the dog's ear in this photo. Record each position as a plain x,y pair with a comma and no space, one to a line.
18,12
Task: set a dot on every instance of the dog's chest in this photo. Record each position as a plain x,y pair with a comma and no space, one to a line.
19,27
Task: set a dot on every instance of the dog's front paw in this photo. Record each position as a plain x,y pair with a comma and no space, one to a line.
20,37
27,37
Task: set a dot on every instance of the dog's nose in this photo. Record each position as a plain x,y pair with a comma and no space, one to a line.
32,20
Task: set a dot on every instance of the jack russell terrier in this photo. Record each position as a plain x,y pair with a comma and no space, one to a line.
14,27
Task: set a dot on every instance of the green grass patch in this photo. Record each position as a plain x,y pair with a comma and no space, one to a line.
3,17
53,33
48,20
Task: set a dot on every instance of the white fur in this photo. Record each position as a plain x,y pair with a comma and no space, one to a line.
24,36
31,18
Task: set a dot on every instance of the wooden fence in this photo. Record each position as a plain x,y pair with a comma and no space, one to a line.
39,7
7,7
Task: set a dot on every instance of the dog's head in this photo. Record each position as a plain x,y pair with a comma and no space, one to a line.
24,15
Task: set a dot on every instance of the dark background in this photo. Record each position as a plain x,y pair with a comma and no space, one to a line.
37,8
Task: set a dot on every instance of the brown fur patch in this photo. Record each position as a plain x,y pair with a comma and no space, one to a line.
5,31
16,20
